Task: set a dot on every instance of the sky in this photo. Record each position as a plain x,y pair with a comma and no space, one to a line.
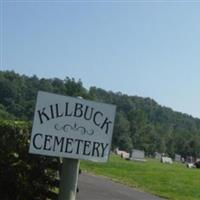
144,48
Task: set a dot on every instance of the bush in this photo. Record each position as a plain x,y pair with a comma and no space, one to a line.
23,176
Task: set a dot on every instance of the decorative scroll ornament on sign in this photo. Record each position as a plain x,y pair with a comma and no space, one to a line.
68,127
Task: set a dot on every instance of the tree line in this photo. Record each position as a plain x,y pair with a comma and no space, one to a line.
140,123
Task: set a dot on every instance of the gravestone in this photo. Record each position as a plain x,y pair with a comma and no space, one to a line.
166,159
137,155
123,154
197,163
189,159
177,158
158,155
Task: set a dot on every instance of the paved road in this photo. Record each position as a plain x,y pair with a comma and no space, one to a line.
98,188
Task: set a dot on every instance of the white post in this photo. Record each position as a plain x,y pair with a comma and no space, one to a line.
68,179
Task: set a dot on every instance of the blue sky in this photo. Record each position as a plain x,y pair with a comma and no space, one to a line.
145,48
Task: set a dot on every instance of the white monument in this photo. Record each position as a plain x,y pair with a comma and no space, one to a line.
137,155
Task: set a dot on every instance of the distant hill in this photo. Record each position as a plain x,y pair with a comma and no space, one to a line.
140,123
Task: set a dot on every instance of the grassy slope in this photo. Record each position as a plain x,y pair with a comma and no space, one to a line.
175,181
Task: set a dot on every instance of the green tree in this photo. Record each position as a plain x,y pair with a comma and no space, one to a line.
121,137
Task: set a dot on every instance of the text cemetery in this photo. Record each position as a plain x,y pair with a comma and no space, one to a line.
69,145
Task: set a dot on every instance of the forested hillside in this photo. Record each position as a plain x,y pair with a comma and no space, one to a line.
140,122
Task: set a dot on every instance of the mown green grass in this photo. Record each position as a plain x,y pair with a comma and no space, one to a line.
175,182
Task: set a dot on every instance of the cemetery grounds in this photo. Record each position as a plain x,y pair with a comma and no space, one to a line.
171,181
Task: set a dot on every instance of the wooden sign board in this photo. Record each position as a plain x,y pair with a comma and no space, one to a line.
72,127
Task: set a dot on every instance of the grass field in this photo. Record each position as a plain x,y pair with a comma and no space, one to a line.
175,182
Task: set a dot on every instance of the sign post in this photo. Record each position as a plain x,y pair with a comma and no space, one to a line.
68,179
74,129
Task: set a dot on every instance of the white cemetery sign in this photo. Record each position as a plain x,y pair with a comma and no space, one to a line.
72,127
